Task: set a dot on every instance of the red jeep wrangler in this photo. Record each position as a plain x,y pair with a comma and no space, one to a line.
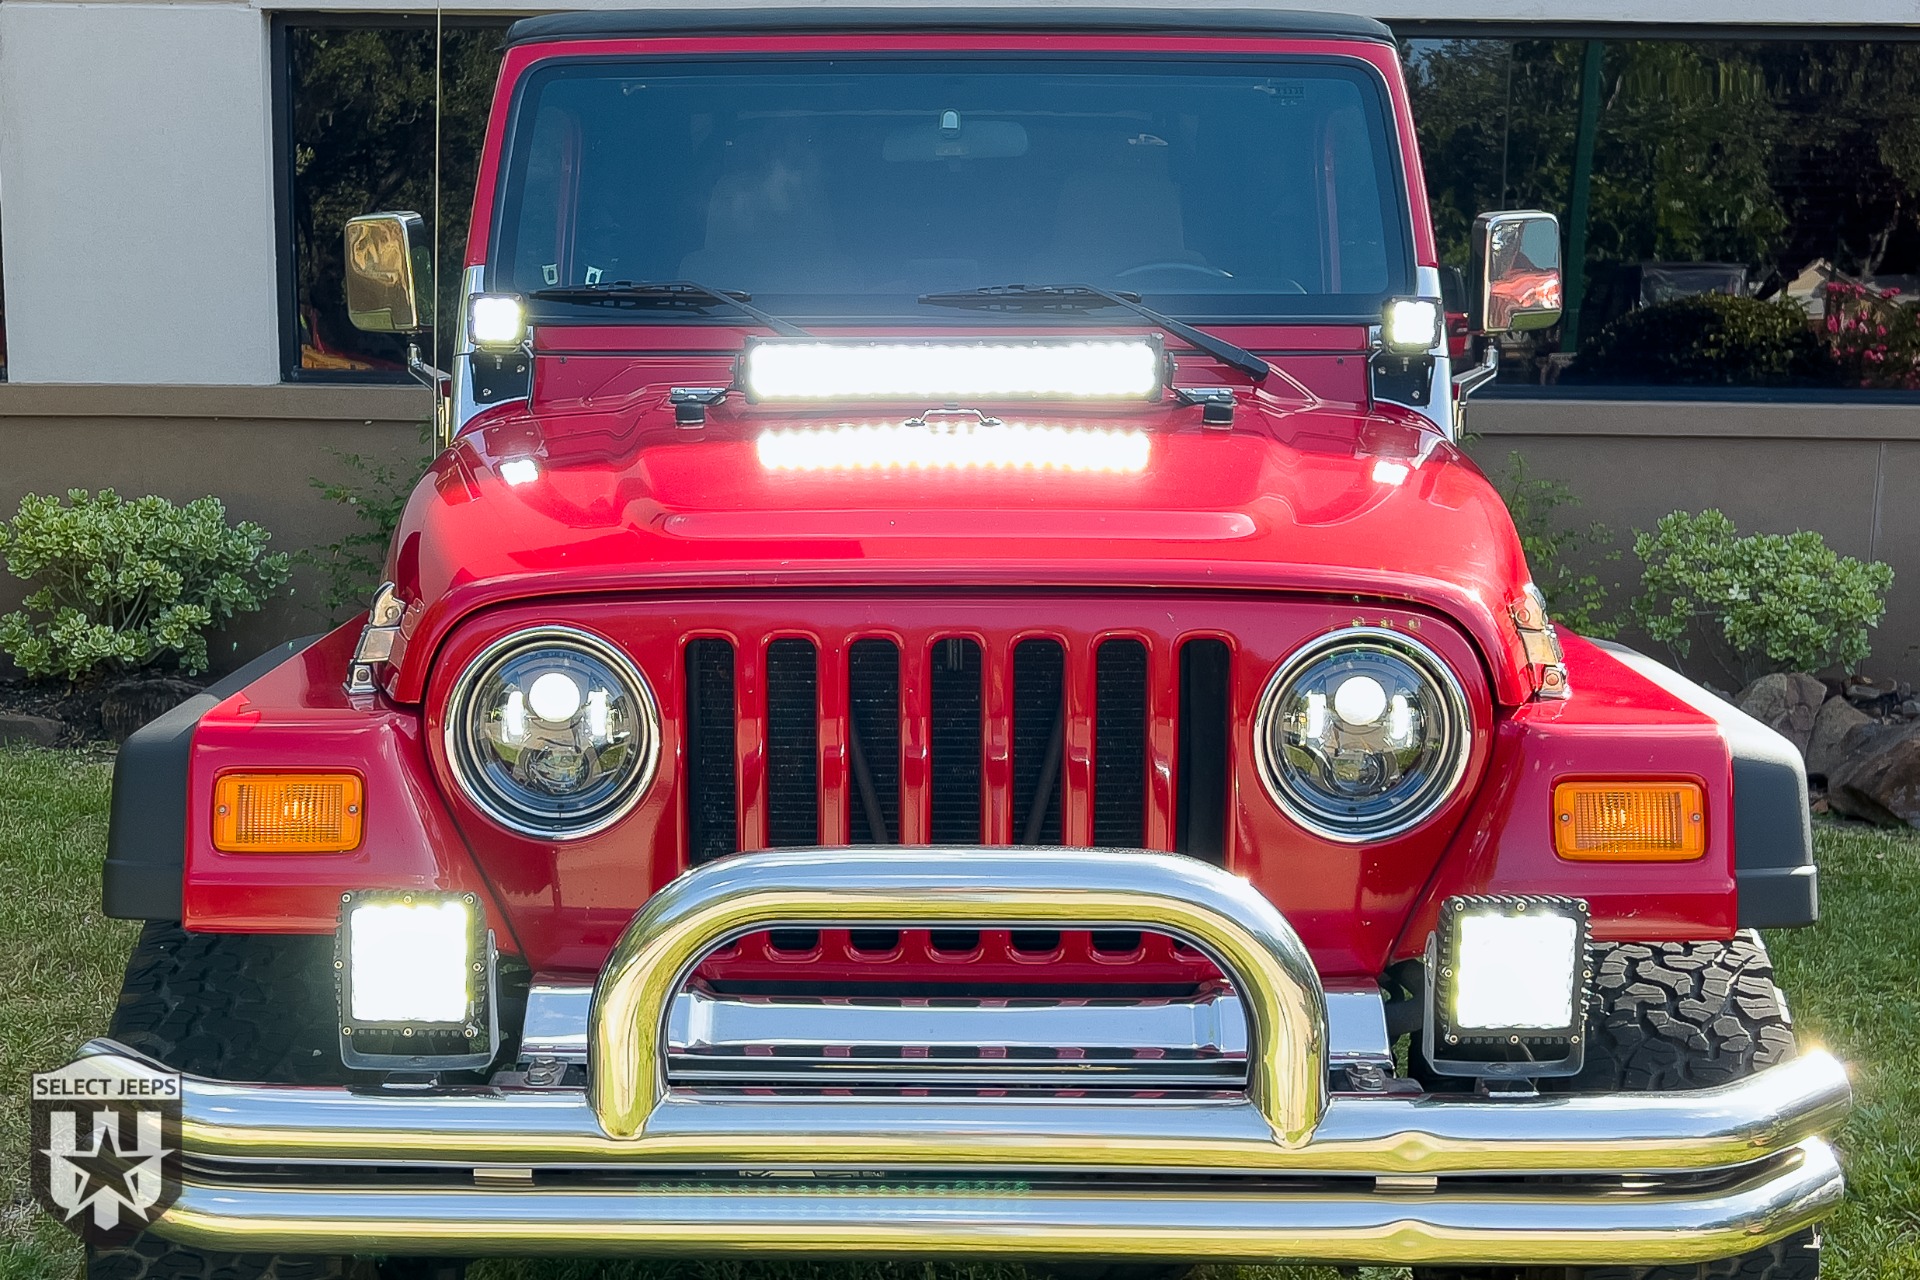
953,693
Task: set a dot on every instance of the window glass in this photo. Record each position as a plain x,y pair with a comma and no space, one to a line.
360,139
1750,212
852,187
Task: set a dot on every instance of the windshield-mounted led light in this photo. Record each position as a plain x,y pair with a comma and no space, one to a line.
1012,446
497,321
1411,326
1041,369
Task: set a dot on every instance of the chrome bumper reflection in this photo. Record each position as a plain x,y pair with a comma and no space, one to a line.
1276,1168
1131,1043
1017,1219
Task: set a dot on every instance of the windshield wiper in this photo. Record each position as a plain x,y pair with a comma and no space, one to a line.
666,293
1085,297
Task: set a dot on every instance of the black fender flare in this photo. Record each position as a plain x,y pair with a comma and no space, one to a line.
1773,871
147,820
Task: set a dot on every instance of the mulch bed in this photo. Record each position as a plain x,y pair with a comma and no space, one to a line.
103,712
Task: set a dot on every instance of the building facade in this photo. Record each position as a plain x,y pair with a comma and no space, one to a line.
173,177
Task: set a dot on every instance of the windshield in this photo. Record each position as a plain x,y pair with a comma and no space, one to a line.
1214,190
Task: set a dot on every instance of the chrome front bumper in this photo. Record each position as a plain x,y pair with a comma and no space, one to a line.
1280,1169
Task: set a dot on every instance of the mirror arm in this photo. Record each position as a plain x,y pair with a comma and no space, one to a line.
1467,381
439,380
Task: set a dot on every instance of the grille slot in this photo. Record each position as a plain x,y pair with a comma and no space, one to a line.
1200,803
1039,728
954,741
713,829
873,749
793,744
1120,745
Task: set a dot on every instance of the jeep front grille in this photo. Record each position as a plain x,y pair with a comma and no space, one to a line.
918,741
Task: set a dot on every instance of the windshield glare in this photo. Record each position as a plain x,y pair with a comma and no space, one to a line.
851,187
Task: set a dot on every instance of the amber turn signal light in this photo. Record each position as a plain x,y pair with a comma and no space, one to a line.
287,812
1629,821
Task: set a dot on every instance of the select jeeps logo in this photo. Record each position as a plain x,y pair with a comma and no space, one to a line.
106,1149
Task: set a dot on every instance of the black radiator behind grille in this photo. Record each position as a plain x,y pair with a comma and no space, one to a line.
712,822
1200,803
793,745
954,741
1039,727
1120,745
873,754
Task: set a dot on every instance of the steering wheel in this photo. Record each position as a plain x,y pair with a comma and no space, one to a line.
1198,268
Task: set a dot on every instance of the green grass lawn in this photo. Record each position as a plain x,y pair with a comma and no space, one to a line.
1851,980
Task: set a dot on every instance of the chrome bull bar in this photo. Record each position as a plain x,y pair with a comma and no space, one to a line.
1285,1009
1281,1170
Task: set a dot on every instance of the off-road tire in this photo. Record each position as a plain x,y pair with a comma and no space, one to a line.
241,1007
1678,1015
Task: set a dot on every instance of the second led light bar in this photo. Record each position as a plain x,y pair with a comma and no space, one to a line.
775,369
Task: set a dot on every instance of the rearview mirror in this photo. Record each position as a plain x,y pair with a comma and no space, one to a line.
1516,271
389,273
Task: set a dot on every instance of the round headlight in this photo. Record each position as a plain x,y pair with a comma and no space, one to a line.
553,733
1362,735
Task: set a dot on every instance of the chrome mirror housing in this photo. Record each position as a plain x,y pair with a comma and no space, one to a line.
1516,272
389,273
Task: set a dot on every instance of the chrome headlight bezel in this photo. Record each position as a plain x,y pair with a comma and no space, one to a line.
457,736
1457,737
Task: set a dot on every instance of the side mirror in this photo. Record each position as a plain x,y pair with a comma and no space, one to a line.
389,273
1516,271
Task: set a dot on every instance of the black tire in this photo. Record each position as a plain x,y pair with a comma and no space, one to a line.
238,1007
1678,1015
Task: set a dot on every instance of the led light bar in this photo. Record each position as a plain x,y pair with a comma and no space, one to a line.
1014,446
1509,977
416,981
775,369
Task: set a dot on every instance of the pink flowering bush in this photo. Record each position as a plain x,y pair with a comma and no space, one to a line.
1874,337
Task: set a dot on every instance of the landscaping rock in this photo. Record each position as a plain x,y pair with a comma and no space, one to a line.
132,703
1788,703
1878,777
1826,747
1910,709
1873,695
38,731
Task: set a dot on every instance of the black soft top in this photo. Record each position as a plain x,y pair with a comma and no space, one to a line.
915,15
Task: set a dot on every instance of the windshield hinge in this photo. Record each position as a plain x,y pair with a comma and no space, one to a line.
1216,404
690,404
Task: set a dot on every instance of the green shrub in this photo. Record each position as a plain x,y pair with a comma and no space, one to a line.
121,585
1764,603
1713,340
1576,598
376,490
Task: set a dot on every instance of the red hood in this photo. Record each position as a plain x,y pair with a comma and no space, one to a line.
1299,496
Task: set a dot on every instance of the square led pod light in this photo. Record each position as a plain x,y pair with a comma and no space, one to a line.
416,981
1509,978
817,371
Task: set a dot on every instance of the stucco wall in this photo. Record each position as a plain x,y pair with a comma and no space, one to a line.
1849,471
134,152
255,448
